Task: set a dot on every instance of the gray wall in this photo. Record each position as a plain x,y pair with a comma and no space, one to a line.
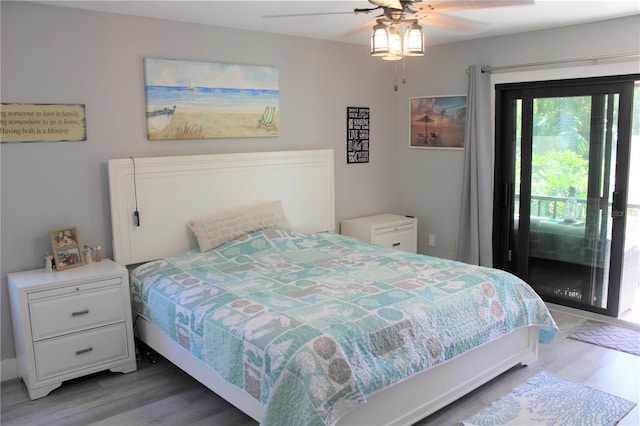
56,55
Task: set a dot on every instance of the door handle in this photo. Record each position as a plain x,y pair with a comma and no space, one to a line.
505,194
617,208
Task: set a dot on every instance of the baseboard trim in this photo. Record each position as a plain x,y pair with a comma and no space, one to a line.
8,369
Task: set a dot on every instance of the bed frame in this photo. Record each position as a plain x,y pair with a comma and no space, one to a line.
167,192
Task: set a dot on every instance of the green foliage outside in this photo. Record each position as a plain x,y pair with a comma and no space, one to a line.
561,146
560,157
554,172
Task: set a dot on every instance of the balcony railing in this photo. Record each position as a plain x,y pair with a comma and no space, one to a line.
553,207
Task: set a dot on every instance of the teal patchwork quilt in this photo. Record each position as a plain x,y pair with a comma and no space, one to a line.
309,325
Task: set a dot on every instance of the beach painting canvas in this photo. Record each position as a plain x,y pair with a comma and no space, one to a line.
438,121
205,100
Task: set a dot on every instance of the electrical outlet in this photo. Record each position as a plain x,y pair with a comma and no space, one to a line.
432,240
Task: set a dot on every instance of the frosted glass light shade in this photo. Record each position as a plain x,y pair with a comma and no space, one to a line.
380,40
395,46
413,40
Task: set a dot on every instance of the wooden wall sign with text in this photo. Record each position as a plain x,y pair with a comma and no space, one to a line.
42,123
357,135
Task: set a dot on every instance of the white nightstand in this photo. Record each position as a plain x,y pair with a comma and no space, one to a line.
387,230
71,323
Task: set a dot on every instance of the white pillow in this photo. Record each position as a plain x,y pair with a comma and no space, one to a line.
214,230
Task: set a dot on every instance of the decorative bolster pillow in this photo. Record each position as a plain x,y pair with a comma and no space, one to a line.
212,231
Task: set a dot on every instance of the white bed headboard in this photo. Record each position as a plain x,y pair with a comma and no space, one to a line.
170,191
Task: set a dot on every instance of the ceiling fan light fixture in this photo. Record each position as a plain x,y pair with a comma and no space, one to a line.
380,40
413,40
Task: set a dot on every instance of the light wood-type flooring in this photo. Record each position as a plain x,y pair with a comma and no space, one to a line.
161,394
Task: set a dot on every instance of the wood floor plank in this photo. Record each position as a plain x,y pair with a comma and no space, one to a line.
161,394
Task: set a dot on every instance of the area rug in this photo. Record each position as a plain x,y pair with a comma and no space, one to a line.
547,399
608,336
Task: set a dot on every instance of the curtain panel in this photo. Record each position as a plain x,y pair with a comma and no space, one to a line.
474,240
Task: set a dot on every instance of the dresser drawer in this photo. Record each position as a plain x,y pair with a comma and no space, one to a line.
76,351
79,311
400,238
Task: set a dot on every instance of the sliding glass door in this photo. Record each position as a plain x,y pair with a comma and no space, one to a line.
562,162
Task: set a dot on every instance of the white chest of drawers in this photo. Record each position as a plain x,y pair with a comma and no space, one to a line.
71,323
387,230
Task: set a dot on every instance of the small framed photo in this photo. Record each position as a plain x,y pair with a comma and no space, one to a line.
66,247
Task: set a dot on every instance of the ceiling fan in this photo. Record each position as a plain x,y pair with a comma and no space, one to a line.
427,12
396,32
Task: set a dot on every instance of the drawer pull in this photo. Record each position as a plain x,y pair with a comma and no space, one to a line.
396,244
84,351
78,313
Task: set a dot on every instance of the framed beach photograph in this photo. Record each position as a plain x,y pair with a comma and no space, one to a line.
207,100
66,247
438,121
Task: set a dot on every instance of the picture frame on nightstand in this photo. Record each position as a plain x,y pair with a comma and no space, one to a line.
66,247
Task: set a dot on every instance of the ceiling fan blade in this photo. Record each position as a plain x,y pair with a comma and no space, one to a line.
453,5
393,4
296,15
362,28
356,11
462,25
430,12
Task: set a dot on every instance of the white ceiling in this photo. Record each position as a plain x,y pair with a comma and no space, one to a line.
334,20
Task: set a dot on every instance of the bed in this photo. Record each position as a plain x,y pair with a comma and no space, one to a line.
278,380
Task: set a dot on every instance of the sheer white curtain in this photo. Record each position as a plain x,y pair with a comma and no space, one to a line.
476,213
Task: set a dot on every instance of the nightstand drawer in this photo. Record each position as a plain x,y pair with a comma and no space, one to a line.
400,238
76,351
71,289
89,309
